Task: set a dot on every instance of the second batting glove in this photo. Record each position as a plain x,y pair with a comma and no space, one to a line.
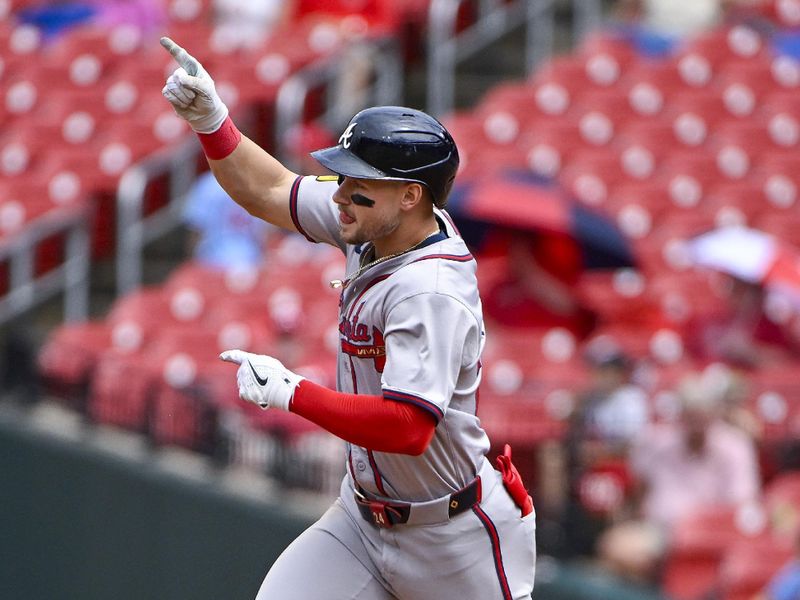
192,93
263,380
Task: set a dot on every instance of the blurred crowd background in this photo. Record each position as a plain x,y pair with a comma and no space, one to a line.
628,184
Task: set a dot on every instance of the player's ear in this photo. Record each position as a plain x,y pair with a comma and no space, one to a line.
413,195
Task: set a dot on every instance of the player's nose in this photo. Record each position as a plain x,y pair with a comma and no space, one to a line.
339,197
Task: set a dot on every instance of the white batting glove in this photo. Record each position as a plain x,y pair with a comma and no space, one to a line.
191,92
263,380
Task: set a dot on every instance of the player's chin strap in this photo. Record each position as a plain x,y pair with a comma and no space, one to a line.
513,481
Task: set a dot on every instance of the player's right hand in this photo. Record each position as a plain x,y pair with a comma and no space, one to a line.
191,92
263,380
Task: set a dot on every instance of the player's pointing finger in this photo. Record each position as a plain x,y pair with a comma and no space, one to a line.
181,56
233,356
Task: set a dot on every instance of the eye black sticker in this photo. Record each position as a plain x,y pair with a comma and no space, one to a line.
360,200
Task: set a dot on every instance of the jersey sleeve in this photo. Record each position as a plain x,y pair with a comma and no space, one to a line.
313,211
429,338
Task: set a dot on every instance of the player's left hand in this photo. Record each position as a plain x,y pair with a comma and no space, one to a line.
192,93
263,380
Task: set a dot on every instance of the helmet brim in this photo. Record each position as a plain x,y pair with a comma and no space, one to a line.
343,162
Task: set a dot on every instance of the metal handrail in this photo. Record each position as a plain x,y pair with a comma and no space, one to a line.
27,289
447,49
291,98
134,229
588,16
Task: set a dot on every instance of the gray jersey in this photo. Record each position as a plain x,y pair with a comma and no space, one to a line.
411,329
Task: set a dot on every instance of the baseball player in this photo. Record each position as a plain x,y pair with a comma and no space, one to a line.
422,513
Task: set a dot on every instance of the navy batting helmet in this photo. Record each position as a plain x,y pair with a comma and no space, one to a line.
395,143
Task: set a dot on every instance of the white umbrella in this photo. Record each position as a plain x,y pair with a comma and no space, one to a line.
750,255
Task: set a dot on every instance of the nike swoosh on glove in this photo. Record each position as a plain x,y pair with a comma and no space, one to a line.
263,380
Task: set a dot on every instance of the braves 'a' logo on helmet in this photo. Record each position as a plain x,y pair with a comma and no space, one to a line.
344,139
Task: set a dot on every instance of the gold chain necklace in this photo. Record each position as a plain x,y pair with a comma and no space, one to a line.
343,283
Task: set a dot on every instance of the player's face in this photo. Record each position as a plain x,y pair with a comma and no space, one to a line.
369,209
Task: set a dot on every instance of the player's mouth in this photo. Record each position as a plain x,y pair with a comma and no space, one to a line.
345,219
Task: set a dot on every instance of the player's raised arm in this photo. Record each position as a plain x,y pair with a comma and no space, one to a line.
253,178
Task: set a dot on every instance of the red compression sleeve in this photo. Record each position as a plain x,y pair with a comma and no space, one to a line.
369,421
222,142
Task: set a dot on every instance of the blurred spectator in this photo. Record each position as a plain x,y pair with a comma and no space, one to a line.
53,18
633,551
608,416
614,409
741,333
656,26
786,584
673,19
539,287
222,235
147,15
699,461
247,23
731,387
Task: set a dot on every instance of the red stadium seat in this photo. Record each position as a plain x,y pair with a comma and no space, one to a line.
744,84
212,281
513,358
637,206
496,159
664,251
136,318
694,115
605,57
779,177
689,175
748,565
378,16
782,117
618,297
651,85
600,114
188,388
525,420
19,41
683,296
509,109
559,83
738,146
119,390
549,146
21,96
785,71
701,58
22,202
697,546
774,397
68,358
734,203
784,225
18,153
785,13
592,174
468,133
